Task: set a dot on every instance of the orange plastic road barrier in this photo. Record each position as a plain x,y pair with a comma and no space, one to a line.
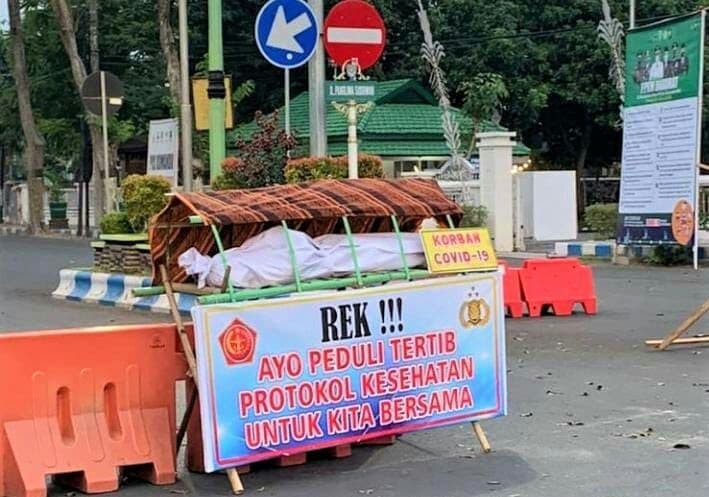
512,291
558,283
79,404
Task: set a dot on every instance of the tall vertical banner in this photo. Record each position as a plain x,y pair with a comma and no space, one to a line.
163,149
662,132
289,375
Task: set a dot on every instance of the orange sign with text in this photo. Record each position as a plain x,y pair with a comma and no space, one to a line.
458,250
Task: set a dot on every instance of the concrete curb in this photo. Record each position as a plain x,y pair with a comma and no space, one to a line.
114,289
65,234
604,250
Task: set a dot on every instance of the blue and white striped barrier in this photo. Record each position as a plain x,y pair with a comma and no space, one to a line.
114,290
586,249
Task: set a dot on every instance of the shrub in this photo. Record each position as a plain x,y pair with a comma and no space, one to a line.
670,255
232,176
313,168
265,154
316,168
116,223
474,216
370,166
144,196
602,218
704,221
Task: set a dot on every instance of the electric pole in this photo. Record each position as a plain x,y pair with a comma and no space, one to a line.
216,91
316,90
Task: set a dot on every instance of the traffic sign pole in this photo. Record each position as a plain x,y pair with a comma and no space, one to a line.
287,35
104,124
287,101
352,162
216,91
354,36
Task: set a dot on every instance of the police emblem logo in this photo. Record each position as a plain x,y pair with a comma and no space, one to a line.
474,312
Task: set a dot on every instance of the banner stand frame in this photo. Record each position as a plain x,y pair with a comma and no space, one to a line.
237,488
674,337
477,427
232,474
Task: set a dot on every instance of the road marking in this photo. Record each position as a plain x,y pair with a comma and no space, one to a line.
363,36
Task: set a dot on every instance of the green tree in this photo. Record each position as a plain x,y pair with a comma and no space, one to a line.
484,95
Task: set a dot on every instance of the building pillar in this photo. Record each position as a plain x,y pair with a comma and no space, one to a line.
496,185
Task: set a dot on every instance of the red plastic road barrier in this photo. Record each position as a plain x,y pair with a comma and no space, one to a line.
558,283
80,403
512,291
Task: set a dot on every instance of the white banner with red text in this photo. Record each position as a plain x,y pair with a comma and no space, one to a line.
306,372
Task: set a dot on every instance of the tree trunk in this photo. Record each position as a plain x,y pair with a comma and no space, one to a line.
581,156
67,32
169,50
34,142
93,35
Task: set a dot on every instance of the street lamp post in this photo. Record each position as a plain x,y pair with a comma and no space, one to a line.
632,14
185,108
216,90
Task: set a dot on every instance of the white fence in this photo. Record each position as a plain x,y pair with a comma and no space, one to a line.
16,201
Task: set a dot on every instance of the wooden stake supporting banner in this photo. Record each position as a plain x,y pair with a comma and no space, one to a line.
234,480
186,418
482,438
701,338
673,337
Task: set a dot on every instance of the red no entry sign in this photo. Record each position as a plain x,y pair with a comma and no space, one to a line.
354,30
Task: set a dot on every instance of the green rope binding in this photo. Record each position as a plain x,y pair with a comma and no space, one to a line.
353,249
293,259
395,224
372,279
218,239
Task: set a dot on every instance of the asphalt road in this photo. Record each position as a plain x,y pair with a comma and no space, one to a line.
593,413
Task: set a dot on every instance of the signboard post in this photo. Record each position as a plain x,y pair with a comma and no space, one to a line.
163,149
287,34
295,374
662,130
354,37
102,95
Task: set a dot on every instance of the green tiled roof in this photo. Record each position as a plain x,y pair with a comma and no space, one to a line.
405,121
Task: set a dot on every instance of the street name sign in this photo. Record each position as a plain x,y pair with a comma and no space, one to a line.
350,91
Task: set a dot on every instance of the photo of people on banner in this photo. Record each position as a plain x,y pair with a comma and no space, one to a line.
667,63
313,371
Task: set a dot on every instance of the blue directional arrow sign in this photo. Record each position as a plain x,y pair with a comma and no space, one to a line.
286,32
